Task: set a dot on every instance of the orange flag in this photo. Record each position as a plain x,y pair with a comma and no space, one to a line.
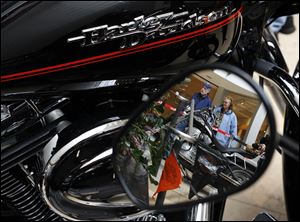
171,175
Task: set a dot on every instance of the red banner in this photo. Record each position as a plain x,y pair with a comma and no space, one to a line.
171,175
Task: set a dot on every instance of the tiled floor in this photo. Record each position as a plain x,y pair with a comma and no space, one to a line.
267,193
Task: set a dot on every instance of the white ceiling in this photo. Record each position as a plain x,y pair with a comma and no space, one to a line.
230,82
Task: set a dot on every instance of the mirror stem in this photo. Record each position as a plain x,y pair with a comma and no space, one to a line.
181,106
289,147
191,117
160,199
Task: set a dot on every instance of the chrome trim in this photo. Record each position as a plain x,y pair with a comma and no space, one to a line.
12,8
96,131
191,121
5,113
229,179
36,211
24,201
181,97
25,198
28,192
19,186
28,174
38,215
200,212
7,181
135,216
235,40
182,135
64,150
11,195
152,217
98,157
76,38
252,162
9,187
142,28
36,110
97,204
36,198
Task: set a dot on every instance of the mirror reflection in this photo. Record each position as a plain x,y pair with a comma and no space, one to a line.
203,137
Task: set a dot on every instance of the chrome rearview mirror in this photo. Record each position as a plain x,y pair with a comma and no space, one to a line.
210,132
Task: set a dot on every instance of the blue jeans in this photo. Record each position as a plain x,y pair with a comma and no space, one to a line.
182,125
278,23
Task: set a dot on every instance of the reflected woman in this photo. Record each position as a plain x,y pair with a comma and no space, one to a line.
225,121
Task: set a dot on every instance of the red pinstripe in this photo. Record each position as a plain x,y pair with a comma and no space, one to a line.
112,55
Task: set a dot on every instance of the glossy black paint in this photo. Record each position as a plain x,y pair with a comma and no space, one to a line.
38,39
282,79
296,73
272,51
291,168
291,165
90,88
28,138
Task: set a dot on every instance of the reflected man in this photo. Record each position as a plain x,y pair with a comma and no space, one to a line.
202,100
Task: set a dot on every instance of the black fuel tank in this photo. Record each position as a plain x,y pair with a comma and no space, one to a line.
67,41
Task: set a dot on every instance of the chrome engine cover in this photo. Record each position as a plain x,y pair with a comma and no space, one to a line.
78,182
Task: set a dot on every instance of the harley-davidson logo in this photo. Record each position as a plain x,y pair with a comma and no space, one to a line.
144,28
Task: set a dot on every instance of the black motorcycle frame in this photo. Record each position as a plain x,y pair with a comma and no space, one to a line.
244,55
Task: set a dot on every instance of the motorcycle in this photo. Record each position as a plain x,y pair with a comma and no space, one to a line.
73,73
240,159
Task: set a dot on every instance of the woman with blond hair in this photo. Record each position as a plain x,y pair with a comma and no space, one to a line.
225,120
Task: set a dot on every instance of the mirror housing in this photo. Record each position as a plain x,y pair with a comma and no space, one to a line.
136,175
